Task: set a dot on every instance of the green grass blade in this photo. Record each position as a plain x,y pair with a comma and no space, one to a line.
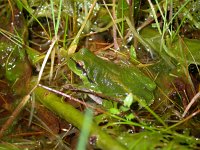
85,131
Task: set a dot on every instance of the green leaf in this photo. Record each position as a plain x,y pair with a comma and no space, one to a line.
128,100
124,108
114,111
130,116
85,131
133,53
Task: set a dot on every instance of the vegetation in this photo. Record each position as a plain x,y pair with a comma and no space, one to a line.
88,74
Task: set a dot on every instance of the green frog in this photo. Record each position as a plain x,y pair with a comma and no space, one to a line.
111,79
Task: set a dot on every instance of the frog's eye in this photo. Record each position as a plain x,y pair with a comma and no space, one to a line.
79,64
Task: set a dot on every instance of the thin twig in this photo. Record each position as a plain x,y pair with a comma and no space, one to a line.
14,115
54,40
195,98
147,22
73,45
116,46
184,120
114,21
70,97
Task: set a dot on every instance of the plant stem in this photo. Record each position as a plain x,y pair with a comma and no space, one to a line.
75,117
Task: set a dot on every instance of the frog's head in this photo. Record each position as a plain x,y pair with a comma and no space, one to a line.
78,61
82,58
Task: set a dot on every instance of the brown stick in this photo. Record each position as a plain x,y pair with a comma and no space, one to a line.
191,103
14,115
